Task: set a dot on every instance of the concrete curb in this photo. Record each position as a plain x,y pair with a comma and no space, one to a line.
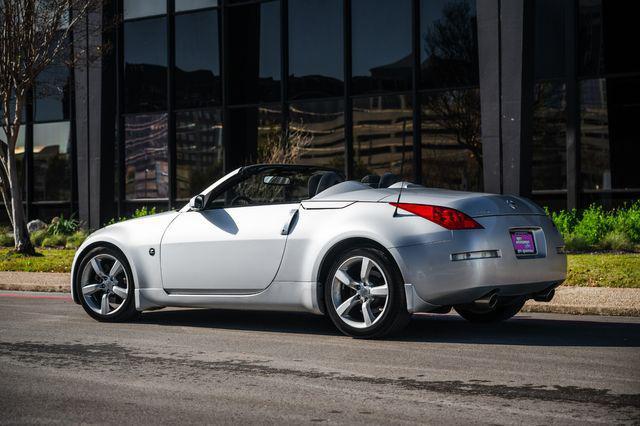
568,300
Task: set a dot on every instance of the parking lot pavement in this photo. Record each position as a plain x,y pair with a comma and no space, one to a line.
56,364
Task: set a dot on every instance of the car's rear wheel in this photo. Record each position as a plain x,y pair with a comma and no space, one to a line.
104,285
497,314
364,294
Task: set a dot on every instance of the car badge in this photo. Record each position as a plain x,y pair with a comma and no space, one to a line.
512,204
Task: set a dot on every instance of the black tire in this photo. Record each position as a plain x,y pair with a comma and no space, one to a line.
393,318
128,309
498,314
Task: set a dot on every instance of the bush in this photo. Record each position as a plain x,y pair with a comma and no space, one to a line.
74,241
595,228
54,241
38,236
62,226
6,239
141,212
616,240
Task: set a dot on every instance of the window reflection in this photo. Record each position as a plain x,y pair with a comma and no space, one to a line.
51,162
549,33
257,135
254,53
451,144
382,135
138,9
182,5
197,75
199,150
52,94
381,45
146,159
449,43
591,61
318,71
145,68
594,127
316,131
549,168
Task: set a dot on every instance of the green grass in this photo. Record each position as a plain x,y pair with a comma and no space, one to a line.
48,260
604,270
585,270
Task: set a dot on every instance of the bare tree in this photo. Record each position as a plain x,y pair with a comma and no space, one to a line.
34,34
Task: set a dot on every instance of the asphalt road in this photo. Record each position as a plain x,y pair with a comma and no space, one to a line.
197,366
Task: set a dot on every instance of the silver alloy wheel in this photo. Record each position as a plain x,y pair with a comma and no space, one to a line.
104,284
360,292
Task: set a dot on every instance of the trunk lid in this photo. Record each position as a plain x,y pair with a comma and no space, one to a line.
473,204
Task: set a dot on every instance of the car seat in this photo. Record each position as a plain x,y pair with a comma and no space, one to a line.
388,179
327,180
371,180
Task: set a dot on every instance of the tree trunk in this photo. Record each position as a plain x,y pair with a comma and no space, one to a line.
20,232
6,194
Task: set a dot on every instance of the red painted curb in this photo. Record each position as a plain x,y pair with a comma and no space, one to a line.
35,296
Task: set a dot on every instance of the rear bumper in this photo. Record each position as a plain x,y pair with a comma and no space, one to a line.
438,280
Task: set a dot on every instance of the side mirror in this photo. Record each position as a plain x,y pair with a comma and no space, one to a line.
197,203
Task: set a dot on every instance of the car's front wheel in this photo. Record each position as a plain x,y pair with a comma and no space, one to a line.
364,294
104,285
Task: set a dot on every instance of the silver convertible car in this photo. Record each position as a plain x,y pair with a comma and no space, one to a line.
298,238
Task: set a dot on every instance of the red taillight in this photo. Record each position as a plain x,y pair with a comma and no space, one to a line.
443,216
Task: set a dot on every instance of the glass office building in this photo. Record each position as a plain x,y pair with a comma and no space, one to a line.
530,97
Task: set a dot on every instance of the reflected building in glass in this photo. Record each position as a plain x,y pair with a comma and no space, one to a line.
541,102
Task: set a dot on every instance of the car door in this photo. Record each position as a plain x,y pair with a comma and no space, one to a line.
225,250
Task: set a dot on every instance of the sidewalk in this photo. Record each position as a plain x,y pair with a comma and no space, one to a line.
568,300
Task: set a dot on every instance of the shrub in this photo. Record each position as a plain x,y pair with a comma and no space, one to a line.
141,212
38,236
74,241
576,243
616,240
6,239
54,241
62,226
595,228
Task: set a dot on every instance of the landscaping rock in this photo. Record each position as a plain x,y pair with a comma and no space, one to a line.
36,225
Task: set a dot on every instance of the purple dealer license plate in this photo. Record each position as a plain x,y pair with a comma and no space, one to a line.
523,242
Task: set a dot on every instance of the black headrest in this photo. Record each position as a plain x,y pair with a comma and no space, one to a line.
371,180
327,180
312,184
388,179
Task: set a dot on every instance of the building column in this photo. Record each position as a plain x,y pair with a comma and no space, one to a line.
505,40
94,121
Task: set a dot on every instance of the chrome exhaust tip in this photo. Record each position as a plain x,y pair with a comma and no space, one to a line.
487,302
544,296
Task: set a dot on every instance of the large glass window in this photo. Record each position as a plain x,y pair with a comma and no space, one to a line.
199,150
449,43
254,52
549,168
451,143
316,133
52,96
146,159
315,48
145,68
590,57
549,38
382,135
138,9
257,135
51,162
197,76
182,5
594,140
381,45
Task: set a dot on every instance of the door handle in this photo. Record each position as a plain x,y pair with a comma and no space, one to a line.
287,224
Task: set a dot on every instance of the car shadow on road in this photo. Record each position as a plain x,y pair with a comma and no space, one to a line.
523,329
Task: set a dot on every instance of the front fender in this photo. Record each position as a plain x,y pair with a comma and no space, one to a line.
133,238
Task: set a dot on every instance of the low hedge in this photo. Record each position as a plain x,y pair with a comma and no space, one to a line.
597,229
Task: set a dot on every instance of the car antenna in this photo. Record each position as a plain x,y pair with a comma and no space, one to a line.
404,136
